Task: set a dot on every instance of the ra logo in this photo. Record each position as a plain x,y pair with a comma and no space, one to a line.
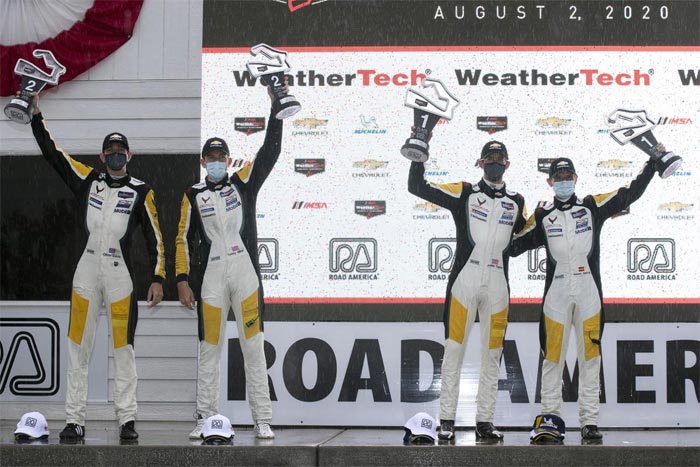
29,356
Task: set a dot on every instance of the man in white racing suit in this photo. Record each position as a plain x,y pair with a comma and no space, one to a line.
218,215
114,206
569,228
486,216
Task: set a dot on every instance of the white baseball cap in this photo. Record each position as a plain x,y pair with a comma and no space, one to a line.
217,427
420,427
32,424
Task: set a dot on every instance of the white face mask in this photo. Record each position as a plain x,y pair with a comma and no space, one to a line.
216,170
564,189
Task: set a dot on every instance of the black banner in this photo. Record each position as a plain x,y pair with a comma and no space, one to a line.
41,232
336,23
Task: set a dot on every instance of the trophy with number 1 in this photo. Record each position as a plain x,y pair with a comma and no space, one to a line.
427,111
635,126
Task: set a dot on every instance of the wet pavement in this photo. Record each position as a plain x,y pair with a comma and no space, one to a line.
167,443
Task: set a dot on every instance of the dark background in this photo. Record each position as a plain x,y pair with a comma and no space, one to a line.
410,22
41,232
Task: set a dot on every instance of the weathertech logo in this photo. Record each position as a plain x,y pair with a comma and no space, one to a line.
30,356
249,125
268,258
370,209
491,124
352,259
651,259
543,164
689,77
309,205
362,77
533,77
309,167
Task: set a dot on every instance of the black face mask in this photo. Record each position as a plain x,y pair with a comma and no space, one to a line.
494,171
115,161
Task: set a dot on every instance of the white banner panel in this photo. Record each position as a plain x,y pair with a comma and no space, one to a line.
34,357
380,374
336,220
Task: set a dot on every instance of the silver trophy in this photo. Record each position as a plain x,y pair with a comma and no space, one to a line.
431,102
270,66
635,126
34,79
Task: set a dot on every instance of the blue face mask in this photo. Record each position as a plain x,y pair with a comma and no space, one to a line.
115,161
216,170
494,171
564,189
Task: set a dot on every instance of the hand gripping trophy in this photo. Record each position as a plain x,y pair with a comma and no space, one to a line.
635,126
427,111
34,79
270,66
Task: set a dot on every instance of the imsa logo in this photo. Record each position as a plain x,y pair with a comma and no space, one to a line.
352,259
651,259
29,356
268,258
441,257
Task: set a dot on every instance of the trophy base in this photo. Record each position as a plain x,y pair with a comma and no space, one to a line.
415,150
18,112
286,107
668,164
288,112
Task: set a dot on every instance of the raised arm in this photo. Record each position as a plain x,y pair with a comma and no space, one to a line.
612,203
72,172
446,195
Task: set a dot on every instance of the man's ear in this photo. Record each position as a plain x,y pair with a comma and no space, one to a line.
507,164
128,155
549,182
102,157
203,163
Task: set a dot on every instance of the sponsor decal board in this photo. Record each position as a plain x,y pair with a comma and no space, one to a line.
542,99
371,374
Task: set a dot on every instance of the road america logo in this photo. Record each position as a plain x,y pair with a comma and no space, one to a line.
651,259
268,258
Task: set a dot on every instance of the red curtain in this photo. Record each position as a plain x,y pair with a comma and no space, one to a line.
107,25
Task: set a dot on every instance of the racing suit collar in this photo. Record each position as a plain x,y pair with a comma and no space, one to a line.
490,192
567,204
116,182
218,185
